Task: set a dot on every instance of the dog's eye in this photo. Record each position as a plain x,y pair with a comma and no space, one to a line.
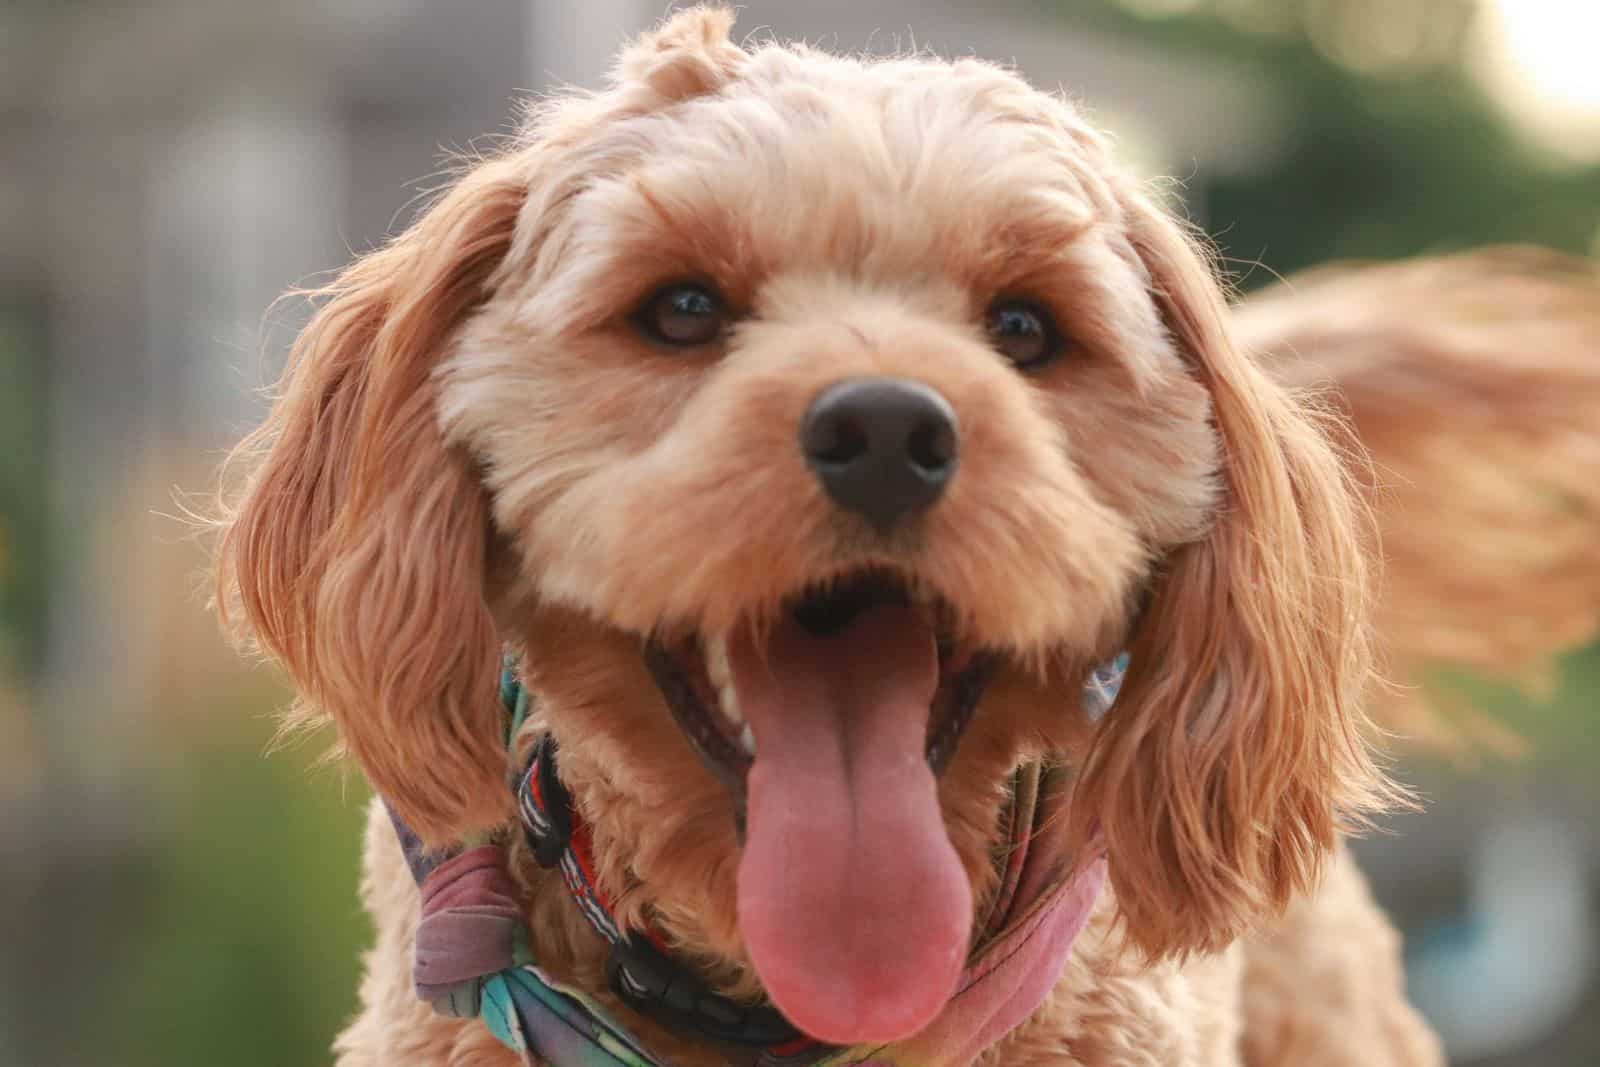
1023,332
683,315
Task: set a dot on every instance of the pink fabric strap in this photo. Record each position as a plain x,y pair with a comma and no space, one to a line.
1015,974
470,922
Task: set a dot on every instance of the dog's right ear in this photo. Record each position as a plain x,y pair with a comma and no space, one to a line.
356,552
1236,753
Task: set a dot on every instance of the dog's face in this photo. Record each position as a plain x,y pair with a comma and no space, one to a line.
793,413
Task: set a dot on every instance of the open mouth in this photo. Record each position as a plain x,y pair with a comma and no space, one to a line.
829,727
693,674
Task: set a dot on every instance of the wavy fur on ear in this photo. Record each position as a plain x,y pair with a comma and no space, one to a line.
355,554
1473,380
1235,754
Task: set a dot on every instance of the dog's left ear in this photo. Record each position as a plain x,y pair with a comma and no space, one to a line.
356,552
1235,752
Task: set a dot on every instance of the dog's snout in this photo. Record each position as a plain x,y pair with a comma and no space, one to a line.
883,448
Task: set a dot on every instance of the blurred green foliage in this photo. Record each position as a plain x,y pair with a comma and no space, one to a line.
1394,148
250,929
24,532
1558,723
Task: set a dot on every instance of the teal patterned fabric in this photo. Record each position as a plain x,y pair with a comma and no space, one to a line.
529,1012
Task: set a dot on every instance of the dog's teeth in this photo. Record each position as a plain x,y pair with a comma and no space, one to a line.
717,663
721,676
729,698
747,740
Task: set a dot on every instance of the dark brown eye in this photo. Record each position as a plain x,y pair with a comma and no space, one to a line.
683,315
1023,332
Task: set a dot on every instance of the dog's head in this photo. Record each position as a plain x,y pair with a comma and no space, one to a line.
797,409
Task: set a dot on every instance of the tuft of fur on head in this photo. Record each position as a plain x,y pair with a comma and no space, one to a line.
475,447
689,56
1473,381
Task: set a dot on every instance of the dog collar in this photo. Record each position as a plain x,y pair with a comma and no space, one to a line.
473,959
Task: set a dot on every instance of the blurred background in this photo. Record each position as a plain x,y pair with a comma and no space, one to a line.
168,893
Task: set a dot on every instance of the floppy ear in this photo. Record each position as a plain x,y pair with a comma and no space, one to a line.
356,554
1473,379
1235,752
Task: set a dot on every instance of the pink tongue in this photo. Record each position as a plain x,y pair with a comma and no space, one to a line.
852,900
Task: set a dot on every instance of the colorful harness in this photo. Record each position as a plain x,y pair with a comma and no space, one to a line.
473,956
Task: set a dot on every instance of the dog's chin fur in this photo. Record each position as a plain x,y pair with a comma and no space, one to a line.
475,448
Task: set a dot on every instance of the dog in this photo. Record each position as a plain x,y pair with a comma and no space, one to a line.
834,495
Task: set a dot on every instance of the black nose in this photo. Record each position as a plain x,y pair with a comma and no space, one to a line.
883,448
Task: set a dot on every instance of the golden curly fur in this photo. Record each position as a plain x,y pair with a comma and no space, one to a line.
475,448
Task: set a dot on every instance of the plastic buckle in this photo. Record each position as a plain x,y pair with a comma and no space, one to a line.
655,986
